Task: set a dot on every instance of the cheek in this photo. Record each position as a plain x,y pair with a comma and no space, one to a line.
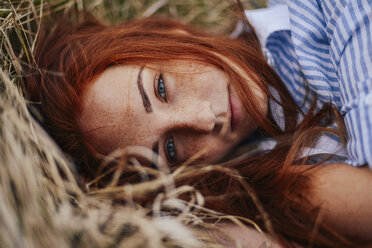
200,85
211,148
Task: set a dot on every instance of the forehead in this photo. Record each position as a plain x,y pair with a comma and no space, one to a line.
107,111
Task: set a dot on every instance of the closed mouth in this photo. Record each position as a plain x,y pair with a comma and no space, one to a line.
235,109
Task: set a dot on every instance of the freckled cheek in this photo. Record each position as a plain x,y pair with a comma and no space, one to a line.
194,85
213,148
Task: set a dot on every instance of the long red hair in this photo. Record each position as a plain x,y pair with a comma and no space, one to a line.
70,56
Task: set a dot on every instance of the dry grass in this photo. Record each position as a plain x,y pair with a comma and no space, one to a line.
41,208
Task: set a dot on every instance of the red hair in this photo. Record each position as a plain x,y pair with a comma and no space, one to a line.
70,56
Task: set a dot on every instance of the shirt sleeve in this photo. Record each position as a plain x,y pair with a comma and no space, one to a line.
348,39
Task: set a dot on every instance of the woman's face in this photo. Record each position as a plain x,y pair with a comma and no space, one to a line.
175,108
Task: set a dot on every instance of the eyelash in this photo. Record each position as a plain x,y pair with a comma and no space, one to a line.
170,150
161,89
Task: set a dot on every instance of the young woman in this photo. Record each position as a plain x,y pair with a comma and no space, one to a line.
181,92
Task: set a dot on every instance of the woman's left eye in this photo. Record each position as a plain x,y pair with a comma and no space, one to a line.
170,149
161,88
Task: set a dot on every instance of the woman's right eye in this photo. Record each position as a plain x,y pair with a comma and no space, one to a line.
170,150
161,88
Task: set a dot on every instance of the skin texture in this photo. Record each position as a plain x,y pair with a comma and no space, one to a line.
200,110
344,193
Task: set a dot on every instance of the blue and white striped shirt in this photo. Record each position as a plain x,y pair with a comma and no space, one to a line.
327,43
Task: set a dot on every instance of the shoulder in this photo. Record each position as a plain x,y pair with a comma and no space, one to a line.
344,194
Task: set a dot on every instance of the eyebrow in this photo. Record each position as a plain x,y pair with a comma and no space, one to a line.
145,99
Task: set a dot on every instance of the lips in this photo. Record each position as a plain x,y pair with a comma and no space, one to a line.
235,109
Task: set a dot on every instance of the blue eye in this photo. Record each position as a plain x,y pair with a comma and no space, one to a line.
161,87
170,149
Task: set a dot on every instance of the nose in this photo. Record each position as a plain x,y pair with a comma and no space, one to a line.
197,116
